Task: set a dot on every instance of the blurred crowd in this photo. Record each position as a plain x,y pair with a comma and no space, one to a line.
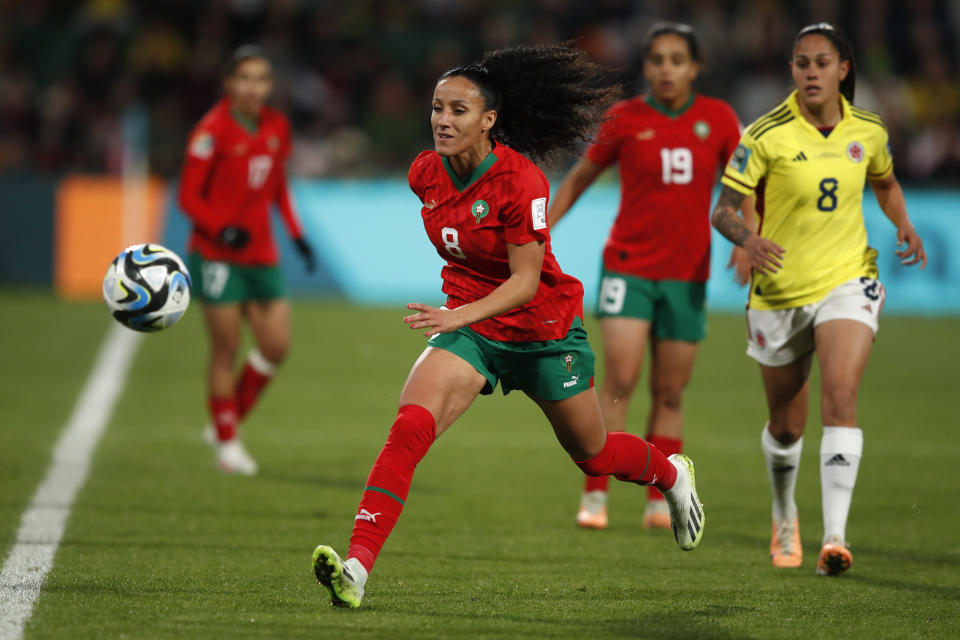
355,76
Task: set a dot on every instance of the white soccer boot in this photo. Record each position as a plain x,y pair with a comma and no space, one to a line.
231,455
343,581
686,512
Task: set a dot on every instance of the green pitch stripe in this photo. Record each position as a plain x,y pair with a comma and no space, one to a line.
385,492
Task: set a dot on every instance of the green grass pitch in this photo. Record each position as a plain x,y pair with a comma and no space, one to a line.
161,545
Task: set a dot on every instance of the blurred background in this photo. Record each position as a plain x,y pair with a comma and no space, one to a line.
108,90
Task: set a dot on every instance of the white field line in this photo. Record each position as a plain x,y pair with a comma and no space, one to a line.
43,523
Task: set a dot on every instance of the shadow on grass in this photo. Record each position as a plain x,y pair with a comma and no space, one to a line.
702,623
910,589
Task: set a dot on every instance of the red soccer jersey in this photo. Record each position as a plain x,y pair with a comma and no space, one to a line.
231,177
470,223
668,165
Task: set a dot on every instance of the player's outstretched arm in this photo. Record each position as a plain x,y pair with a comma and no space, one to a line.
526,261
574,184
890,197
765,255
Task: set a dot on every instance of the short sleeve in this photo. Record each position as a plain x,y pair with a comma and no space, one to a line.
747,166
881,162
526,218
733,130
606,147
415,177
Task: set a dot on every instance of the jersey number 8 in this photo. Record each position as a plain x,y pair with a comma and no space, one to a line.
451,240
828,195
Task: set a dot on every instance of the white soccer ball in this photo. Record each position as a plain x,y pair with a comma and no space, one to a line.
147,287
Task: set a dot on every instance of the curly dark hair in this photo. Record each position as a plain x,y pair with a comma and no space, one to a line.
548,98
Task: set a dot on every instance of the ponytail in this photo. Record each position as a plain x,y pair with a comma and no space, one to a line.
547,97
844,51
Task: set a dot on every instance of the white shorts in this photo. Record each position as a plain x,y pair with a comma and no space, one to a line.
778,337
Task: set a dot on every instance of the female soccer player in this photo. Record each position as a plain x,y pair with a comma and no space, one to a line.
670,145
511,314
234,171
814,288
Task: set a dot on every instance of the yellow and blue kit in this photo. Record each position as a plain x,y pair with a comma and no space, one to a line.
809,186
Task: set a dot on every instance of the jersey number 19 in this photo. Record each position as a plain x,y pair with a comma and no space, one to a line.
677,165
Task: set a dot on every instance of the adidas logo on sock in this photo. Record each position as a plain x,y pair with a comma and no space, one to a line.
783,468
837,460
800,156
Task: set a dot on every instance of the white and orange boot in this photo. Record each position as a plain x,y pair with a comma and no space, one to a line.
656,515
593,510
835,559
785,549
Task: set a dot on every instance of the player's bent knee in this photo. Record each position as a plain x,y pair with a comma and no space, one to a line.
275,353
668,396
787,432
598,464
839,404
622,386
414,428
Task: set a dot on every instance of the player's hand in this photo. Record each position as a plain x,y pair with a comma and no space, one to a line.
913,252
306,252
740,263
234,237
765,255
432,319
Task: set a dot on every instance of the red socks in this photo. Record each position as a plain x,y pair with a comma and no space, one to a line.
256,373
596,483
410,438
227,412
668,447
224,414
632,459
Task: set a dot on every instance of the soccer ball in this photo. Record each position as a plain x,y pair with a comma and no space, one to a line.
147,287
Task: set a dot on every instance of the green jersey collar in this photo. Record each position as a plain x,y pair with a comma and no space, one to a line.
247,124
475,175
667,111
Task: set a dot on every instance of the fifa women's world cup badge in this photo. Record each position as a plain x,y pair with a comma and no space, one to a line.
479,209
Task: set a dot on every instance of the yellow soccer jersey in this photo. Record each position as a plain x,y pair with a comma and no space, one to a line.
809,198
